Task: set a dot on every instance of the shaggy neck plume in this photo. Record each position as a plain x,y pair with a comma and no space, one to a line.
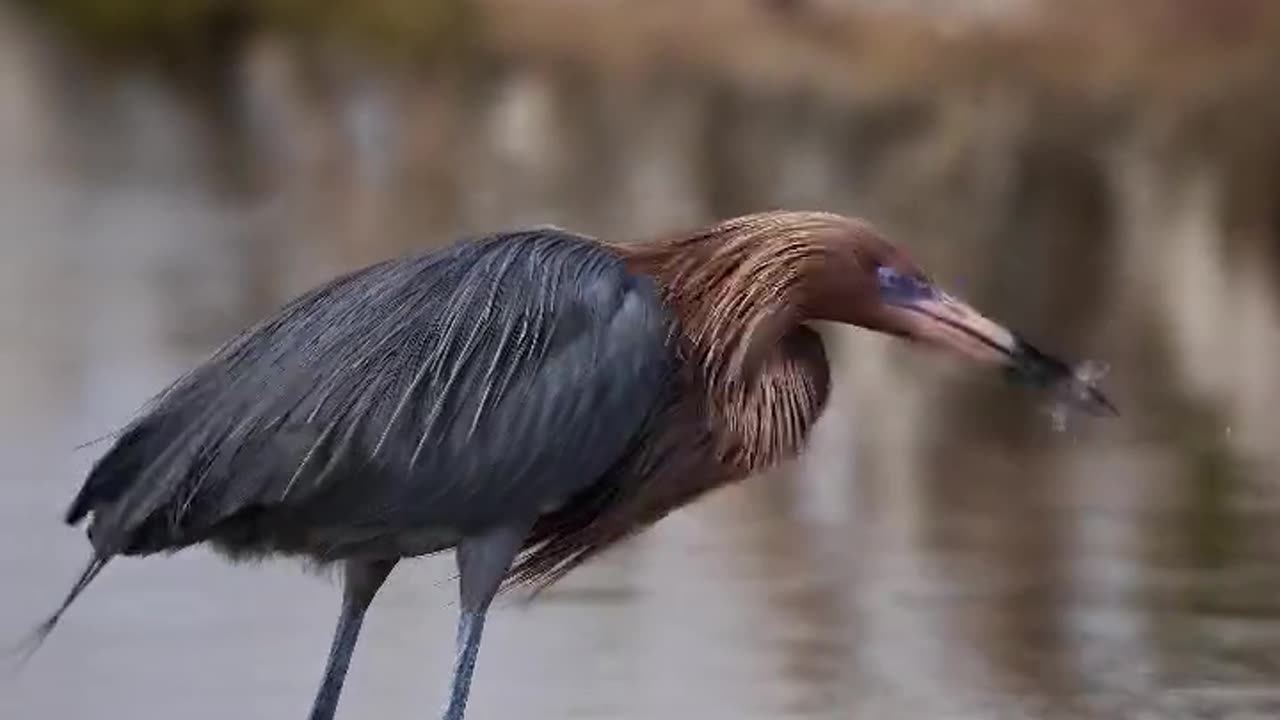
736,285
756,380
739,289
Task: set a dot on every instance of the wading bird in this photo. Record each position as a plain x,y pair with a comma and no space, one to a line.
527,399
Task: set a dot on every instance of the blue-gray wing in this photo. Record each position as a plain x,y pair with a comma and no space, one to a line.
479,384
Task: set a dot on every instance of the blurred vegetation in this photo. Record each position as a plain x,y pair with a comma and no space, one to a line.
195,28
1191,65
1193,53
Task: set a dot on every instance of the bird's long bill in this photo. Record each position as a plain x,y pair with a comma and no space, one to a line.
943,321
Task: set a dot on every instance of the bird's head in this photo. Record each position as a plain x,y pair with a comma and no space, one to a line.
740,285
864,280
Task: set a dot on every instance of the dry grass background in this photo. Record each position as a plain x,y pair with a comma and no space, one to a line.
1086,45
1092,46
1201,68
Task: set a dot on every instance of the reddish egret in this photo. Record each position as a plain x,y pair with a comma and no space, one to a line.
527,399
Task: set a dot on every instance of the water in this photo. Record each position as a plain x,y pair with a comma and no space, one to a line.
942,552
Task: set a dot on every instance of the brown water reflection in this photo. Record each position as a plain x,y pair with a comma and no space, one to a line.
940,553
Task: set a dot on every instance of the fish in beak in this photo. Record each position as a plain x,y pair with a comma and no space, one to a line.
917,310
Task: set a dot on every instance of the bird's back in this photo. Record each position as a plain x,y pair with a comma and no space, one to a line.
409,402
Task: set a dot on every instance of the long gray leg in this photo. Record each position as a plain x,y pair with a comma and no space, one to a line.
482,563
361,581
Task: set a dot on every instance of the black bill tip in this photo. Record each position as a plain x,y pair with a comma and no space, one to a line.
1075,385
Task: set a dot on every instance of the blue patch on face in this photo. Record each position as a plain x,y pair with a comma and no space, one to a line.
899,289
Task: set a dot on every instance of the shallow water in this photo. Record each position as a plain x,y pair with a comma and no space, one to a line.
940,553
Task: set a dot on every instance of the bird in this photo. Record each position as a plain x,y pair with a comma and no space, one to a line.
526,398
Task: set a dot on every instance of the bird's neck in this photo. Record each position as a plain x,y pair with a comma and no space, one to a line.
737,289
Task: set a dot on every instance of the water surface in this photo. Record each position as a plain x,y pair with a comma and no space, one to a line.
940,553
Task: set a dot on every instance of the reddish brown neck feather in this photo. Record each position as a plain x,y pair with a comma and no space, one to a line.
739,288
754,379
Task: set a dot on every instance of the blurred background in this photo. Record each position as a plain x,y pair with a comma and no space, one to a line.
1103,176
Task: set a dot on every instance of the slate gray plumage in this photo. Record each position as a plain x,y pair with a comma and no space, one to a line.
406,408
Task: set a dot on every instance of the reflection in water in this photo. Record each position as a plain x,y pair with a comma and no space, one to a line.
940,553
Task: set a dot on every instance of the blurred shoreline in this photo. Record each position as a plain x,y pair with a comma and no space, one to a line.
1115,164
1189,51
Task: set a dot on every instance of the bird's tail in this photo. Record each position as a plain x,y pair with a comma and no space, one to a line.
37,636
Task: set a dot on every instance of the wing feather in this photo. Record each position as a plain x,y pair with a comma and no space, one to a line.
456,389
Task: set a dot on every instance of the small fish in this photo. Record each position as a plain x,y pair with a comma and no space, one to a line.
1079,390
1072,388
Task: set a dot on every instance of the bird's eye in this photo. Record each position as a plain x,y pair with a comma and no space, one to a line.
896,286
